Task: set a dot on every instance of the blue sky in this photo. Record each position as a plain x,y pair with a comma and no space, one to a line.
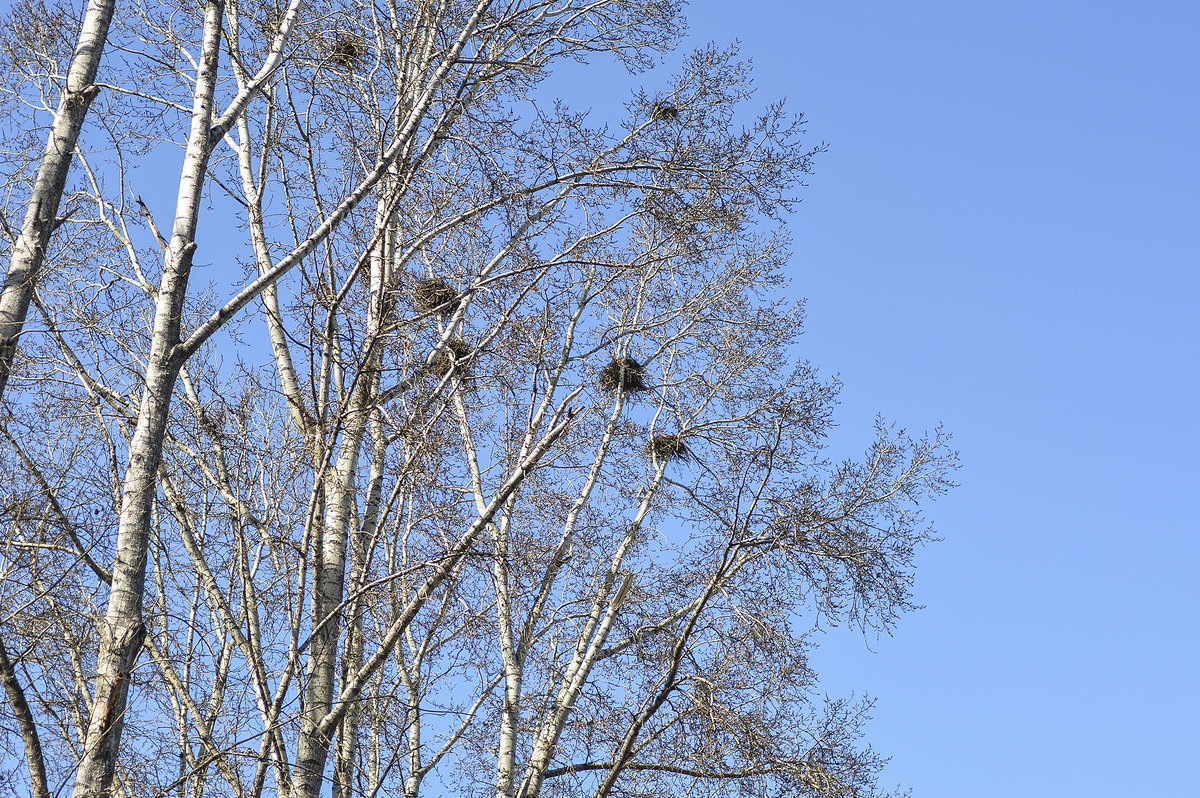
1005,236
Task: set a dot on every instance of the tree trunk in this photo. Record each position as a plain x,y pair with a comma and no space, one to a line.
328,589
29,732
122,631
40,218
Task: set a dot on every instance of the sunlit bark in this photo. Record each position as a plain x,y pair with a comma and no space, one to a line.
41,218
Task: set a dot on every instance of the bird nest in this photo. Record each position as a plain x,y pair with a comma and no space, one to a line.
669,447
456,355
435,294
664,112
347,50
622,374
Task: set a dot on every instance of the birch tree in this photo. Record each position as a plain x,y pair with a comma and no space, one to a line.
484,462
78,89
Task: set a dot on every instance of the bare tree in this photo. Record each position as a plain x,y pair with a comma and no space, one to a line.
41,217
495,474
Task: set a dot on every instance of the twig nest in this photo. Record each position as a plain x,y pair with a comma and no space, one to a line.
664,112
412,436
669,447
347,50
435,294
455,356
622,374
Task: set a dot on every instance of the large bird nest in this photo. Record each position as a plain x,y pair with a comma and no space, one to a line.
669,447
347,50
622,374
456,356
435,294
664,112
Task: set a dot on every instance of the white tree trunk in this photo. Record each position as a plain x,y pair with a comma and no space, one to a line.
328,590
41,216
122,631
29,732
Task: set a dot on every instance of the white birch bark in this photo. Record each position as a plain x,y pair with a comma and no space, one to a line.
588,649
329,590
41,217
123,631
25,720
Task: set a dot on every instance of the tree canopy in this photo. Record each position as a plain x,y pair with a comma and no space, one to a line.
439,438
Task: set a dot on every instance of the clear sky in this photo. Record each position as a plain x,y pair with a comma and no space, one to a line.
1005,236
